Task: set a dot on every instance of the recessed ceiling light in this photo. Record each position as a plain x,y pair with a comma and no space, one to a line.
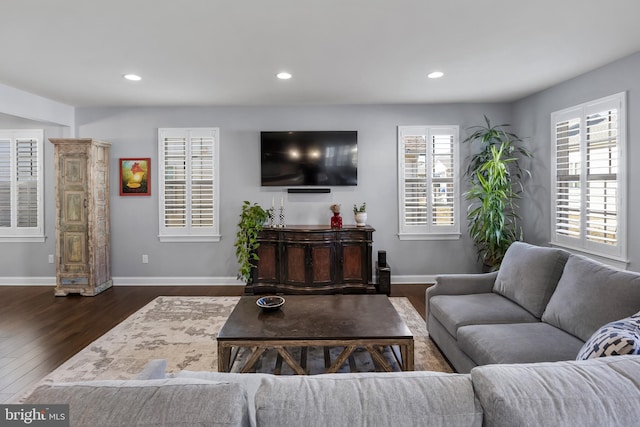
435,75
284,75
132,77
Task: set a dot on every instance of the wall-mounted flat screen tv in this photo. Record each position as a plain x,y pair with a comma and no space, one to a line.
309,158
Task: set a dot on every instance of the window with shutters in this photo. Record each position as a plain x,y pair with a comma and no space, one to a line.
589,177
21,206
428,182
189,185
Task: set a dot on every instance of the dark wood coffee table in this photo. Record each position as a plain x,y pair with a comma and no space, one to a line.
369,322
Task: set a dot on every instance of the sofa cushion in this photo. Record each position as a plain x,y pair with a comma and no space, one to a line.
369,399
597,392
455,311
517,343
590,295
614,339
166,402
250,382
529,274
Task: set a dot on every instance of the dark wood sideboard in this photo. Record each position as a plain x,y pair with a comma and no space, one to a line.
307,259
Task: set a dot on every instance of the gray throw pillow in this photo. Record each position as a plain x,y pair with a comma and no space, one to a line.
590,295
529,274
134,403
369,399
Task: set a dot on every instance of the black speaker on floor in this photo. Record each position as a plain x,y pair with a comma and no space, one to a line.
382,258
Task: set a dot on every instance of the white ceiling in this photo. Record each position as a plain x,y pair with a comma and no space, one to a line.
227,52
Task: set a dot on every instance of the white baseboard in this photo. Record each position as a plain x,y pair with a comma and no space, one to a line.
28,281
176,281
412,280
181,281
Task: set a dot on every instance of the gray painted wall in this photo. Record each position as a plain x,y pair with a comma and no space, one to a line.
134,226
531,117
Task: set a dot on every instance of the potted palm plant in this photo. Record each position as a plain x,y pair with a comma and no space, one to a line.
252,219
496,180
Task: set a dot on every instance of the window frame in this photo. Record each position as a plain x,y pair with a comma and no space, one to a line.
13,233
429,231
189,233
604,252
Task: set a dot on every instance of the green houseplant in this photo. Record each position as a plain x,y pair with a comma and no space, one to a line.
252,220
360,214
496,180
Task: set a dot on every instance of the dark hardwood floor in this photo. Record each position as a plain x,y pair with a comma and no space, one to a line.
38,332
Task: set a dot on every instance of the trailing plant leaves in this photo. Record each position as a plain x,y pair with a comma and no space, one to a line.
251,222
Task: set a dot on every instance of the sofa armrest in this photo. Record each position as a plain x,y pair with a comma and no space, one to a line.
461,284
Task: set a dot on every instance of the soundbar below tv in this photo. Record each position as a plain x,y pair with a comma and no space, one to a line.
309,158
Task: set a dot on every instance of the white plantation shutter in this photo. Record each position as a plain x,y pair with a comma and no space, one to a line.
428,182
5,184
174,191
202,193
27,182
414,166
21,185
589,177
189,184
568,193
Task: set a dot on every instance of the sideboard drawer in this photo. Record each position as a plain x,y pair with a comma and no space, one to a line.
79,281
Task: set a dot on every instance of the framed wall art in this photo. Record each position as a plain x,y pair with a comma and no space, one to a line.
135,177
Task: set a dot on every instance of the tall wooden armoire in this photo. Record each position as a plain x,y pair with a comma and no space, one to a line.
82,216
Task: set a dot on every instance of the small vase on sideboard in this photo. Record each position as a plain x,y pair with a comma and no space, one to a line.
360,214
361,219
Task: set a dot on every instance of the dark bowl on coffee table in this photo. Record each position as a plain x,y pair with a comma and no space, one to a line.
270,303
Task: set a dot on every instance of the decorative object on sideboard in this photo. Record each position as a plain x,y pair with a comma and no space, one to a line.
496,181
252,219
135,177
270,222
360,214
336,219
281,217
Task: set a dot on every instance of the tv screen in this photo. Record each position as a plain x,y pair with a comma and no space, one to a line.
312,158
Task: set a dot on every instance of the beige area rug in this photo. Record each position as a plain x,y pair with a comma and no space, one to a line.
183,331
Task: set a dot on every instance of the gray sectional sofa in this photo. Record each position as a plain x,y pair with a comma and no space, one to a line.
541,306
597,392
524,324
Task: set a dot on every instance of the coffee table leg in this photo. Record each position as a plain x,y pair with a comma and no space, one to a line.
406,350
224,357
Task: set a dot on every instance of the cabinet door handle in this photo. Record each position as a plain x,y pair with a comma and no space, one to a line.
86,203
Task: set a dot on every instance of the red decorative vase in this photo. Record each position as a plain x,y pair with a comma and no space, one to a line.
336,220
